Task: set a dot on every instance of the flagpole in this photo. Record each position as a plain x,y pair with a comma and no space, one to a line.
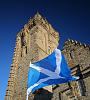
27,95
27,89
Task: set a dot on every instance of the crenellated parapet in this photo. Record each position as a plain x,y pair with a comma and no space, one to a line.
71,42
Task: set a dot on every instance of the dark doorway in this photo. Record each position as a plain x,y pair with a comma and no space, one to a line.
42,94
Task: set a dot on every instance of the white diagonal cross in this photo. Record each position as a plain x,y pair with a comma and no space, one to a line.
51,74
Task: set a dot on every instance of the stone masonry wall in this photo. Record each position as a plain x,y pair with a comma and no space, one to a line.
78,57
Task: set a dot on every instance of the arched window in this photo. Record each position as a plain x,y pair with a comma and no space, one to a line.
72,54
23,40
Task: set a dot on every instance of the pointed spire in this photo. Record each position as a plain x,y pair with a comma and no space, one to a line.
84,45
76,42
37,15
72,41
69,40
80,43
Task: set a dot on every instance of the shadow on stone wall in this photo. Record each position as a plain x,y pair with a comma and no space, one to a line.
42,94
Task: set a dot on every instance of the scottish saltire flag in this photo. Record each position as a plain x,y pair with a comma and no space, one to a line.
49,71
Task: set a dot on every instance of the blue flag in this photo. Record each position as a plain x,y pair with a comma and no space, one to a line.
49,71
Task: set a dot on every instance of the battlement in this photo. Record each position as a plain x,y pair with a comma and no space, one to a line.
71,42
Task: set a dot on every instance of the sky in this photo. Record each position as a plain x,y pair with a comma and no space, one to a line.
71,18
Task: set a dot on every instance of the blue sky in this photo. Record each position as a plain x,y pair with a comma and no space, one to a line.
71,18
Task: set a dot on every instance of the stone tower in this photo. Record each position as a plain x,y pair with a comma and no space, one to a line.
34,42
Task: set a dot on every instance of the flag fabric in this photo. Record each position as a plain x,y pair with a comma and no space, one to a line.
49,71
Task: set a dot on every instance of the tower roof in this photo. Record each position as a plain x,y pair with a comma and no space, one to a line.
39,20
37,15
